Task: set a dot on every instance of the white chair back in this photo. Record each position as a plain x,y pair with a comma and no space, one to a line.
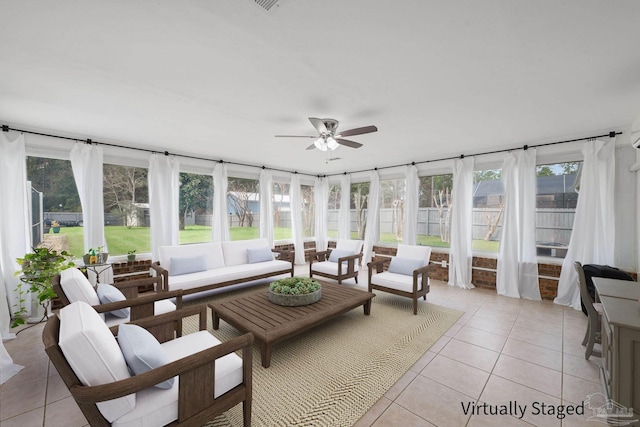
354,246
414,252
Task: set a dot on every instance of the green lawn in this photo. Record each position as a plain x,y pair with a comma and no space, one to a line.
122,239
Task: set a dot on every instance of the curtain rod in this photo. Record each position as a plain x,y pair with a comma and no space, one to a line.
6,128
611,134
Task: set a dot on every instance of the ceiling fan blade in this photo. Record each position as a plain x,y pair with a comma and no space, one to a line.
296,136
318,124
348,143
358,131
311,147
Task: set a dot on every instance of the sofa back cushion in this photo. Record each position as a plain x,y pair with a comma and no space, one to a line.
94,355
414,252
353,246
77,287
235,252
212,252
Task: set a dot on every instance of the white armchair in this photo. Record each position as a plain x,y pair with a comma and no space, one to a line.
407,275
340,263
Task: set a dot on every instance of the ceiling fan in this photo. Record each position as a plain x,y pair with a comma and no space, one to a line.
328,138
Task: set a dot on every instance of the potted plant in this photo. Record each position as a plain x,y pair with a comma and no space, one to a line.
102,255
38,269
295,291
131,255
55,225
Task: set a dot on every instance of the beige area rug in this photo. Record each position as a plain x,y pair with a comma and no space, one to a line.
333,374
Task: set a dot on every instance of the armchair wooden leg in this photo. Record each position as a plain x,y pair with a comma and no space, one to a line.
415,305
246,413
356,279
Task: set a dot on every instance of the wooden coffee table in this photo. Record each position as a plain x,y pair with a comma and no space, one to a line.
271,323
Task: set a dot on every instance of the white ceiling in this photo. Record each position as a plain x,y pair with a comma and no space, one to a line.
219,79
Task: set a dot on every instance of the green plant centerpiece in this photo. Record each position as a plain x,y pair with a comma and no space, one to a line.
38,269
295,291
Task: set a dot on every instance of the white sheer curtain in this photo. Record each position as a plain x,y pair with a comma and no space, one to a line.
220,223
344,218
164,196
410,227
266,205
296,218
7,367
86,162
593,236
15,227
372,233
517,274
321,202
460,255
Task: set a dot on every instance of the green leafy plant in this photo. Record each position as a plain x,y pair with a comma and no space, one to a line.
131,252
38,269
294,286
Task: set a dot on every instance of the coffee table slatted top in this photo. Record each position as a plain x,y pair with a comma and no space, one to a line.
271,323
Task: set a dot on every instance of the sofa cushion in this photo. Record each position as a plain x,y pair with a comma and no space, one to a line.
109,293
77,287
94,355
415,252
353,246
400,282
220,275
404,265
337,254
160,407
142,351
186,265
255,255
212,252
332,267
235,252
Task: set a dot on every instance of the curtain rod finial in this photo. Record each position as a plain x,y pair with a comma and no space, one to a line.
5,128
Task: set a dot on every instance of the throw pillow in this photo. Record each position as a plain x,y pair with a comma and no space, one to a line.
259,255
404,265
109,293
338,253
142,351
186,265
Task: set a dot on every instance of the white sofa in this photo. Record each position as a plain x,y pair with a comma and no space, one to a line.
205,266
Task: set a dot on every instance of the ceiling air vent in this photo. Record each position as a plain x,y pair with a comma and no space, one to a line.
266,4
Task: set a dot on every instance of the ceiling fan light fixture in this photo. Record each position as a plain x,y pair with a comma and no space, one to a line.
332,144
320,144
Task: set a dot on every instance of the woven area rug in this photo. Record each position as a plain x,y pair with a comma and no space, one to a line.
333,374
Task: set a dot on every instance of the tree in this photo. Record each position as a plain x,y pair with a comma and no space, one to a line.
124,187
241,191
196,192
443,203
487,175
544,171
360,197
280,189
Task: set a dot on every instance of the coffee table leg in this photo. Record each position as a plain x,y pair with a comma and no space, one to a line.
367,307
265,354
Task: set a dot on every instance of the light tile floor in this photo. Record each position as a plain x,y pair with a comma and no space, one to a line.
501,350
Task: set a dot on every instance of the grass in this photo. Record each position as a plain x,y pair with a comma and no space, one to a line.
121,239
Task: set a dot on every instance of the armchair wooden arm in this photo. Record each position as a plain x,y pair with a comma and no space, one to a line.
162,273
319,256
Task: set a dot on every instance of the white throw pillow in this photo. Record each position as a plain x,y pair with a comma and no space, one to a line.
404,265
93,353
259,255
337,254
186,265
77,287
109,293
142,351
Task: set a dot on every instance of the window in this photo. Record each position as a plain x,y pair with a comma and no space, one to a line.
126,209
281,211
556,199
391,210
308,211
195,209
434,210
243,206
333,212
359,201
53,180
488,208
